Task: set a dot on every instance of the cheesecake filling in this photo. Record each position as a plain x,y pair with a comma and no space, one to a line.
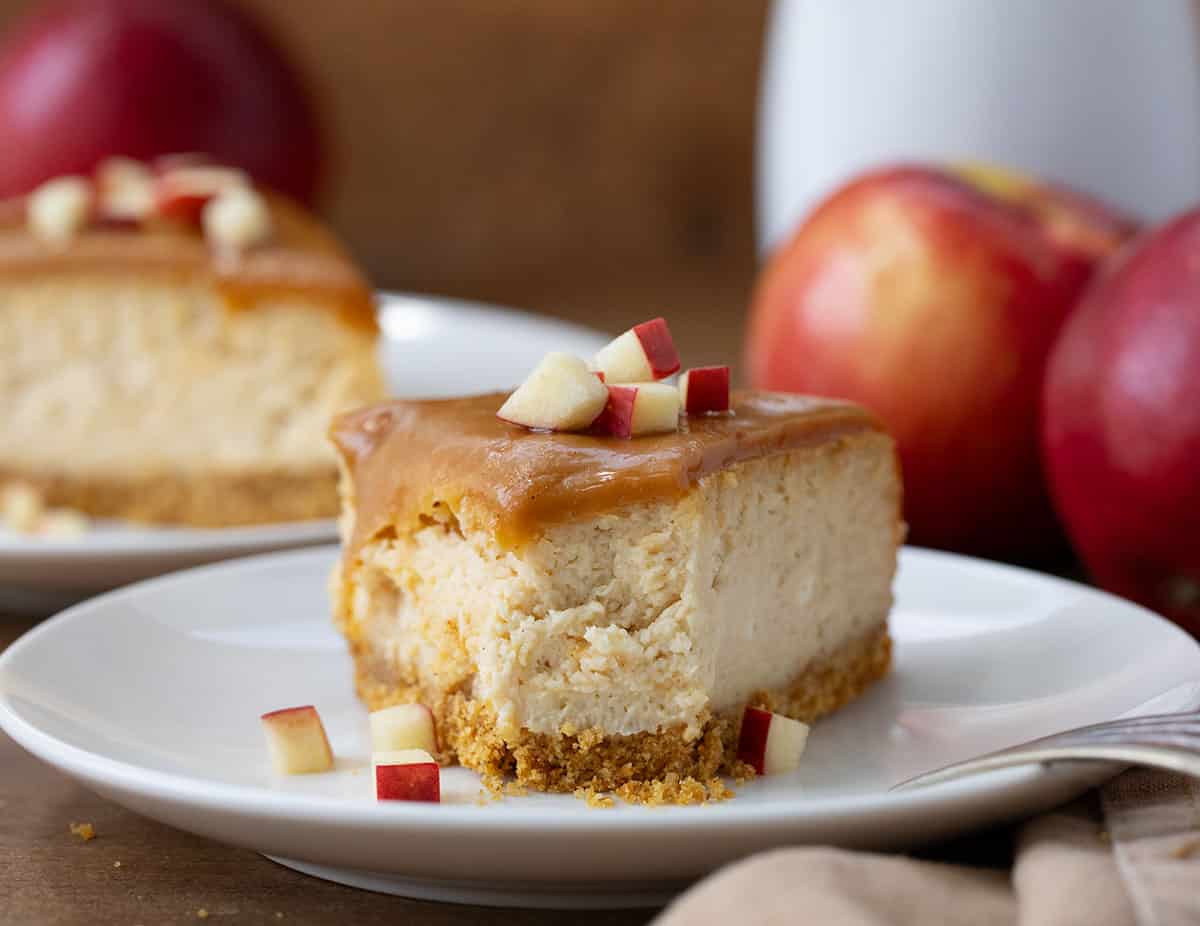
651,617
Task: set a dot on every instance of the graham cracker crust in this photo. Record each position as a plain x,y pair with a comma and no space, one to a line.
214,499
662,767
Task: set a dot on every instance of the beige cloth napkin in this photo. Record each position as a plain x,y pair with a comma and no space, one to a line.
1133,857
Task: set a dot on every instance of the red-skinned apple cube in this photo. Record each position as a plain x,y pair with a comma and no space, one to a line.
704,390
617,418
561,394
771,743
640,408
644,353
407,775
182,193
296,740
403,726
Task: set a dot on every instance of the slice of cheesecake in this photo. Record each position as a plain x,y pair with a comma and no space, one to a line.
585,612
175,344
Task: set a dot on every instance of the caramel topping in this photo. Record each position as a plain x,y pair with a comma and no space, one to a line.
301,257
411,459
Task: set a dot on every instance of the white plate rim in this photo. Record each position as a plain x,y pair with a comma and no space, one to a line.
257,802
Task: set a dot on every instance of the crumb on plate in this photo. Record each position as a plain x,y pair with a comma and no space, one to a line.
84,831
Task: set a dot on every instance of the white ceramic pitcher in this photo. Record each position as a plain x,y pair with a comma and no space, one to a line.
1101,94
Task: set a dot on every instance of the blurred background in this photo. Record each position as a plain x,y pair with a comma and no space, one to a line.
593,162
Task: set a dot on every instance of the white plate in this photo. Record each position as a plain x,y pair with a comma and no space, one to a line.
430,347
151,696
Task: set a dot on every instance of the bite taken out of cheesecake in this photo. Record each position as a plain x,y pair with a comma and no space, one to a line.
587,611
175,343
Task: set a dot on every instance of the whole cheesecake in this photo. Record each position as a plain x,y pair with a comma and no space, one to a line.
582,611
178,361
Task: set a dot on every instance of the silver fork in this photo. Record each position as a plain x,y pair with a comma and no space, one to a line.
1166,741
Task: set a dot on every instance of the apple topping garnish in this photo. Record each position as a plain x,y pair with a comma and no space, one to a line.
644,353
124,192
704,390
618,393
297,741
771,743
406,775
60,208
403,726
561,394
236,219
184,192
639,408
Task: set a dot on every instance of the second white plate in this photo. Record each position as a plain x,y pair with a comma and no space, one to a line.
151,696
430,347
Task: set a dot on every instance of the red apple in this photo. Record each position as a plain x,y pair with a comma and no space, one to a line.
1121,424
704,389
81,80
933,298
771,743
407,775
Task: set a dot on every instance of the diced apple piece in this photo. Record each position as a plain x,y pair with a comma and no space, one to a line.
183,192
236,219
403,726
124,192
644,353
704,389
407,775
771,743
60,208
297,741
639,408
561,394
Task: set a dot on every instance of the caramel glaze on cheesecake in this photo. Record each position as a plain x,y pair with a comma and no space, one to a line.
593,613
406,456
301,257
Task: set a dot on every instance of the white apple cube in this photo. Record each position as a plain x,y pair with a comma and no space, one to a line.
403,726
561,394
771,743
296,740
124,191
236,219
61,208
644,353
704,390
639,408
406,775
